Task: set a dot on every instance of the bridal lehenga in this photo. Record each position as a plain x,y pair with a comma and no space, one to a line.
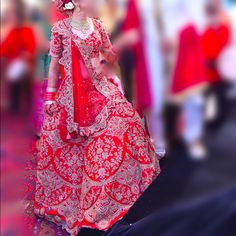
95,156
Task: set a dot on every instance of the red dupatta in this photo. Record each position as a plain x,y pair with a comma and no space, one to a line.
88,102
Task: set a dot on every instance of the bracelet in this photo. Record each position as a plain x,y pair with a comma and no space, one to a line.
50,96
49,102
51,90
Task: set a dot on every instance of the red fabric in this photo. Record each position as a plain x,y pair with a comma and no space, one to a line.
214,41
90,176
85,110
132,21
18,42
94,101
190,68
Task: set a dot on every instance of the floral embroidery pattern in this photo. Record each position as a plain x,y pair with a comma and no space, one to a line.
90,176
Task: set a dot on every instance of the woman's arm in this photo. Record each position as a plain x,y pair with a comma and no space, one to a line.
55,53
54,69
54,73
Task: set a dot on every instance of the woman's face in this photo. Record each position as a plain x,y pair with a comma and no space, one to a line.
90,7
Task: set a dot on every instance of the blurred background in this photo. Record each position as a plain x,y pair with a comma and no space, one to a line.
181,76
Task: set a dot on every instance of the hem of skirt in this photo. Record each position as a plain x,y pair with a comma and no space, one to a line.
54,218
60,220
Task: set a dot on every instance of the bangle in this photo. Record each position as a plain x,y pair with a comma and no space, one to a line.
50,96
51,90
49,102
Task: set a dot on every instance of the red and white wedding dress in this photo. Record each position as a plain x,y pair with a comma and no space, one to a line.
95,157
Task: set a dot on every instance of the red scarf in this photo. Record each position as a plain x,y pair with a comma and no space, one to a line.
88,102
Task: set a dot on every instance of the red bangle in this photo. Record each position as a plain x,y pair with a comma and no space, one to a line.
49,96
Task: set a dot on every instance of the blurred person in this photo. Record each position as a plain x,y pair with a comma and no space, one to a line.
95,157
227,58
155,62
41,20
113,19
148,68
189,82
215,38
17,70
141,97
112,15
187,72
17,56
226,67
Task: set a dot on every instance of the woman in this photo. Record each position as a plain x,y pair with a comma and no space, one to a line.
95,156
18,50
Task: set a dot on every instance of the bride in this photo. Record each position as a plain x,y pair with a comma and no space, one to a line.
95,157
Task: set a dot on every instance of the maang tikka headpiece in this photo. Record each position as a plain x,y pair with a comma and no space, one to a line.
64,5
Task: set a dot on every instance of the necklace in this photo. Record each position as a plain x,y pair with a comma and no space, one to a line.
83,28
